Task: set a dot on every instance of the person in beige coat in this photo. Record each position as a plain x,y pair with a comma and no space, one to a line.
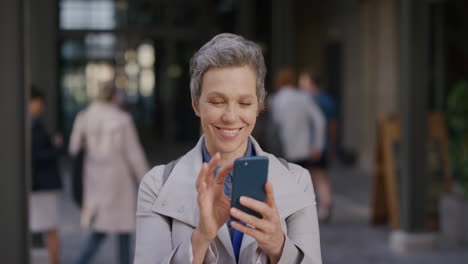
113,165
183,213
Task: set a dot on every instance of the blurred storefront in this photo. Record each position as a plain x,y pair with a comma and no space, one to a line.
146,46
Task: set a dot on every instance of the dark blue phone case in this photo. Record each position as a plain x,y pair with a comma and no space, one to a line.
250,176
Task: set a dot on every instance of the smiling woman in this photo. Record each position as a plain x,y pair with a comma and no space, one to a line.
184,209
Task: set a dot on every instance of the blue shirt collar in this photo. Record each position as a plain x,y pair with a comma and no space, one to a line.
207,157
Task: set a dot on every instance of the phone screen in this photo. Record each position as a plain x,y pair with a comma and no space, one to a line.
250,176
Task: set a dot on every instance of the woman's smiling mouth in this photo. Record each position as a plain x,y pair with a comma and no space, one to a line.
229,132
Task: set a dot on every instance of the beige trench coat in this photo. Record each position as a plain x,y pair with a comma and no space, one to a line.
167,216
114,163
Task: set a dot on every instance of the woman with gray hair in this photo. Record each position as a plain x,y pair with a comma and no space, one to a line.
113,164
184,207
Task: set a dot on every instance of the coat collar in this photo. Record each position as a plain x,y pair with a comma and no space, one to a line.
178,197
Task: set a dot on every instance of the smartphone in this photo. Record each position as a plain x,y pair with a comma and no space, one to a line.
250,176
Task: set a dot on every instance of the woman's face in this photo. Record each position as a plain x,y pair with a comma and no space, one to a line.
36,107
228,108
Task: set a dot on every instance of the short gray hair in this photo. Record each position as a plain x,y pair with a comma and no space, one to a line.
227,50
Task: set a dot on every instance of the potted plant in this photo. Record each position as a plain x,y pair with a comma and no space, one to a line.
457,115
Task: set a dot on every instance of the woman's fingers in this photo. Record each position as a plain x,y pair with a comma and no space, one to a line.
201,175
253,232
259,207
206,172
211,167
246,218
223,172
270,196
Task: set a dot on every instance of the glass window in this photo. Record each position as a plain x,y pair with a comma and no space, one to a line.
82,14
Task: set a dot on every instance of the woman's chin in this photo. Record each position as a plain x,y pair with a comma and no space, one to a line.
229,145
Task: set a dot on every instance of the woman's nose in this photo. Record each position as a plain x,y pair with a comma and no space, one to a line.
229,114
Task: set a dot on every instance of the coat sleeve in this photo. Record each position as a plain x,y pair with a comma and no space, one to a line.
41,148
302,243
153,231
133,150
77,135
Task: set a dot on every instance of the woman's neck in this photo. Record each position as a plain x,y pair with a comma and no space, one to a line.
228,157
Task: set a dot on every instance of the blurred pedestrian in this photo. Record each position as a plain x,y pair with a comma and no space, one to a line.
309,81
293,111
46,181
113,164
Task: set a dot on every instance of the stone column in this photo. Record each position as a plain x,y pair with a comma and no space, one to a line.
13,133
43,51
414,94
282,35
414,34
371,73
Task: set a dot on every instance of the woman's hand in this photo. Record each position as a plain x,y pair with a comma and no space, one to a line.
214,206
267,230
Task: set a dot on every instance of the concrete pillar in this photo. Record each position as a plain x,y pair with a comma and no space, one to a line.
438,71
353,89
44,56
414,97
282,35
311,29
370,25
13,157
371,73
387,73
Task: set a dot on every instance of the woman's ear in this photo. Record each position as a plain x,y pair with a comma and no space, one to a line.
195,108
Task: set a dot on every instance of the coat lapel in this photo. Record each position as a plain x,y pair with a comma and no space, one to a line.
246,241
225,238
178,197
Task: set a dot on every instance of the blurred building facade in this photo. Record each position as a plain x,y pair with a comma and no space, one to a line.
146,47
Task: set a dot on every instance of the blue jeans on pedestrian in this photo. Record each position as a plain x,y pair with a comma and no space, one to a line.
95,241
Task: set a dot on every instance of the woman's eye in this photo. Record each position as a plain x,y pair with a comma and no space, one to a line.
216,102
245,103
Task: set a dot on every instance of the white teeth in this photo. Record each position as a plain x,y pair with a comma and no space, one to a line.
230,132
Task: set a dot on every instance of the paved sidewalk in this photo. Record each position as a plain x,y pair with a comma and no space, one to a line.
348,238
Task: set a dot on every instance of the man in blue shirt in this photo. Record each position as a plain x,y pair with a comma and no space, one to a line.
309,81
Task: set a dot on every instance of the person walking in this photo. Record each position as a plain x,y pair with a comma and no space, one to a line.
309,82
293,112
114,163
46,182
